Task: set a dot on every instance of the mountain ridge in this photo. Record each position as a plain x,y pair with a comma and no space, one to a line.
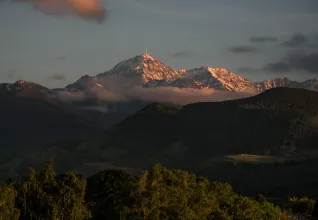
147,71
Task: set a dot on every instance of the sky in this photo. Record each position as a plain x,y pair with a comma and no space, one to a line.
256,39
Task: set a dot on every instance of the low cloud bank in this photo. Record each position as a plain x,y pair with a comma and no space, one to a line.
161,94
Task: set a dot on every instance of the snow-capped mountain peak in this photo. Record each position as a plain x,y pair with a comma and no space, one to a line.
218,78
148,56
147,71
142,69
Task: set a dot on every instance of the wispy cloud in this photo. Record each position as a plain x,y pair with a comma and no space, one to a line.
58,77
278,67
243,49
183,54
305,62
247,70
296,40
61,58
301,56
263,39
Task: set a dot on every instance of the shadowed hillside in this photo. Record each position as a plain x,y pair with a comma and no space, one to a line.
33,121
248,142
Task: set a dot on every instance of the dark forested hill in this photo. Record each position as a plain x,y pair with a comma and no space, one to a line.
266,143
27,121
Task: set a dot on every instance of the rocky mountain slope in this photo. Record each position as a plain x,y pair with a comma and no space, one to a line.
147,71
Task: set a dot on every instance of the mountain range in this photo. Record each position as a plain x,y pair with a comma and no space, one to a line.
147,71
79,110
274,131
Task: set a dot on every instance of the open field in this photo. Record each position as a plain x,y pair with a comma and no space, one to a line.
250,158
259,159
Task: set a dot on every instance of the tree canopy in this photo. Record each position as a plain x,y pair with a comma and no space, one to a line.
157,194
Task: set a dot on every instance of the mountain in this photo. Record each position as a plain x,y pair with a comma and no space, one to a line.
138,70
82,83
278,126
27,101
311,84
31,116
23,88
218,78
279,82
142,69
247,142
34,115
149,72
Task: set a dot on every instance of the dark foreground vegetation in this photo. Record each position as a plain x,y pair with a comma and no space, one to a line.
156,194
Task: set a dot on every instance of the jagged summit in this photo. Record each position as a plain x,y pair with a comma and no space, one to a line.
138,70
146,55
311,84
147,71
277,82
218,78
142,69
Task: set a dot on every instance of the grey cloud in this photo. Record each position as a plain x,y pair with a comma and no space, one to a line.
308,62
263,39
243,49
278,67
61,58
305,62
182,54
296,40
58,77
